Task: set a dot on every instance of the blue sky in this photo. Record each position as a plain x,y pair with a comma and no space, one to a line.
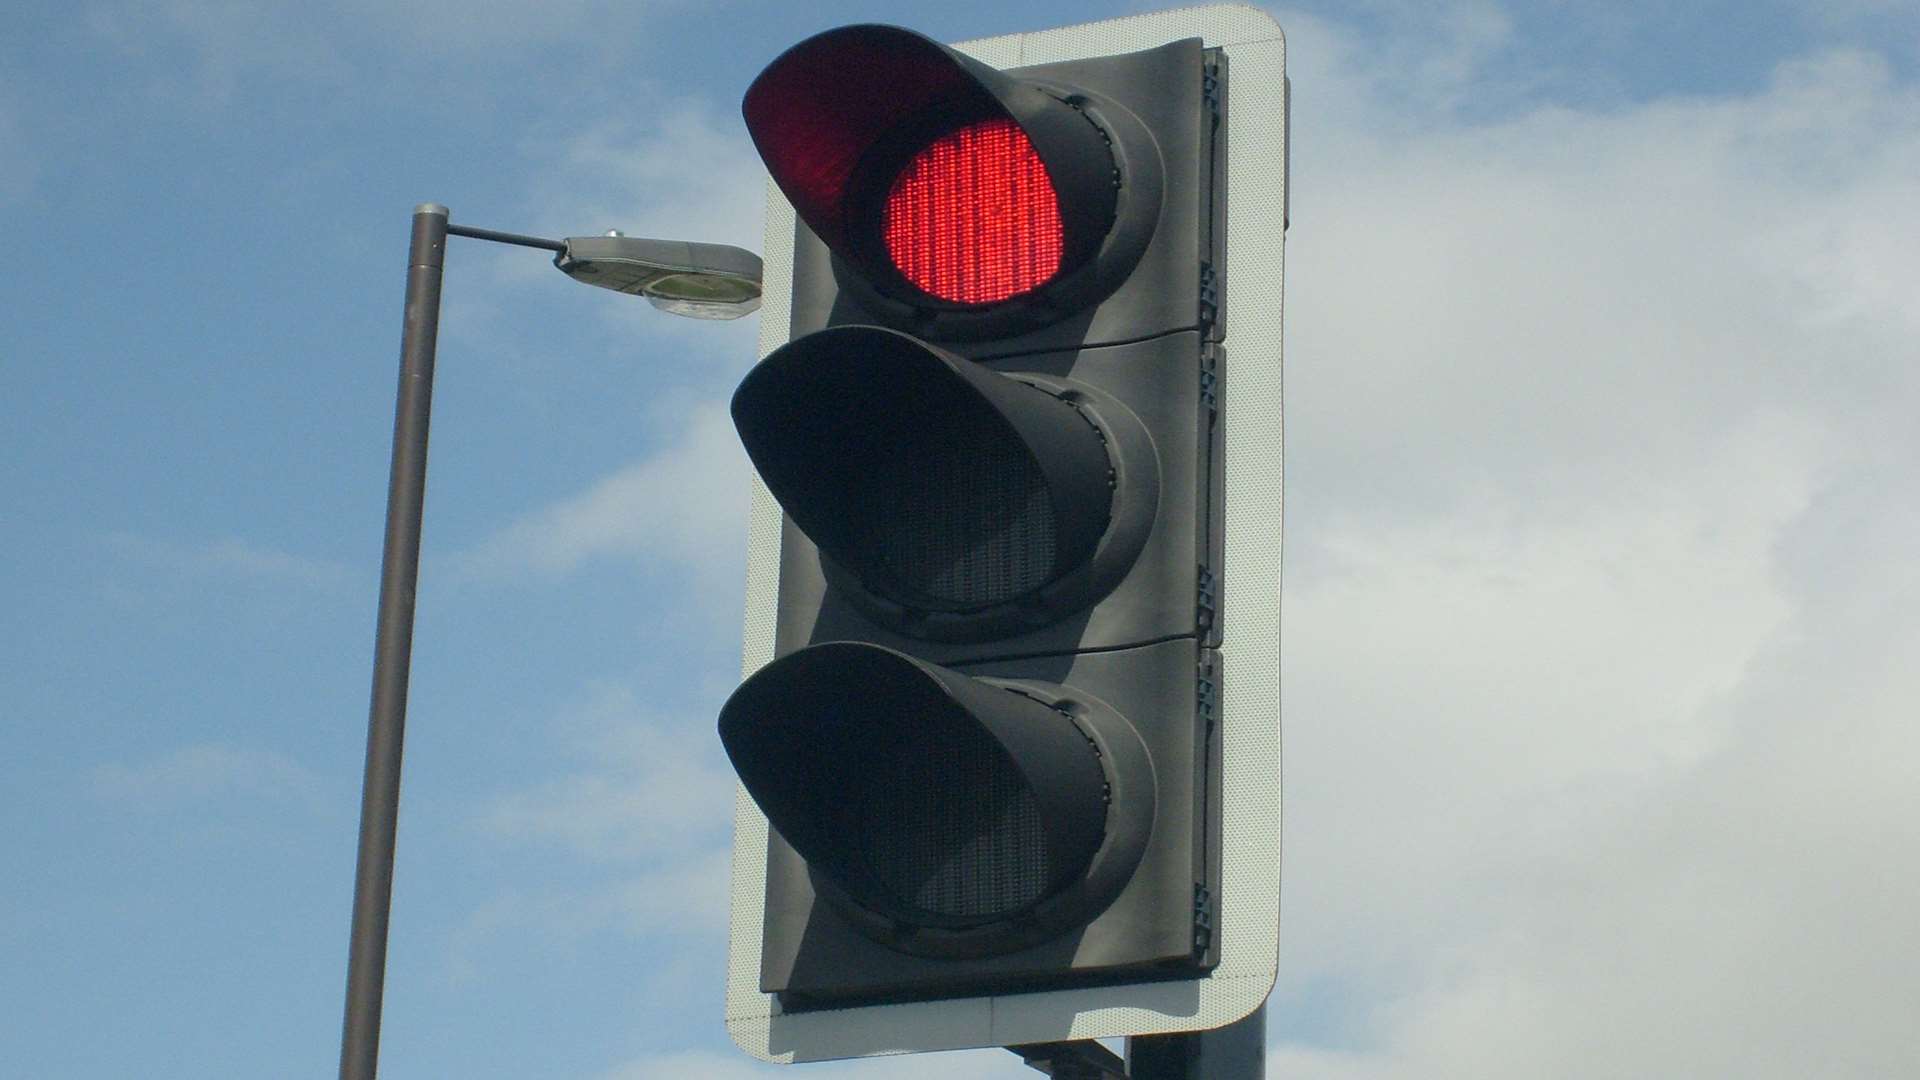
1601,603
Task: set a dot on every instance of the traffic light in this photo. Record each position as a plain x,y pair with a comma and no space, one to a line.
988,740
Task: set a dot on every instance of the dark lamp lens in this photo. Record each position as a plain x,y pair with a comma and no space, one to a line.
974,218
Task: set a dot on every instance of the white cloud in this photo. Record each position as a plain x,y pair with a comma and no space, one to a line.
1468,690
1601,601
686,506
683,170
206,771
708,1066
230,559
648,808
224,43
228,46
676,898
488,25
650,786
680,169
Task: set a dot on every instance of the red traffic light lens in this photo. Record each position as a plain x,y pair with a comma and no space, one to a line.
973,218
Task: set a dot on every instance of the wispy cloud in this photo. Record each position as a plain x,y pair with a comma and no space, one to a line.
686,505
230,559
705,1064
226,48
684,170
221,44
637,823
206,772
647,787
681,896
680,169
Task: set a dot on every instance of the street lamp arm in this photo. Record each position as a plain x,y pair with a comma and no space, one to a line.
505,237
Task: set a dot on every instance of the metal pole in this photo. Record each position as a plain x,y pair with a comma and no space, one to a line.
393,648
1235,1052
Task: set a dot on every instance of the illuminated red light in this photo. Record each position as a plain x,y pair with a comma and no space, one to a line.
974,218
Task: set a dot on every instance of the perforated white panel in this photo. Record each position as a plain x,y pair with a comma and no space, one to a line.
1250,909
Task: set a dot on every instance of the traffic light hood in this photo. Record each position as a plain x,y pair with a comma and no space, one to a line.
865,436
852,749
837,117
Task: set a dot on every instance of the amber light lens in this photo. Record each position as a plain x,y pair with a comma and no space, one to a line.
974,218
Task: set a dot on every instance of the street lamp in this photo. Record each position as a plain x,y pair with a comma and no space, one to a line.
700,281
706,281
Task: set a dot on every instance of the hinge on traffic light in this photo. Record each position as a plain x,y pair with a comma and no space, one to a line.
1206,697
1209,295
1206,711
1210,90
1204,604
1202,918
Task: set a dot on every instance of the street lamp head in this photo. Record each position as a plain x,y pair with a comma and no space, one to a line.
700,281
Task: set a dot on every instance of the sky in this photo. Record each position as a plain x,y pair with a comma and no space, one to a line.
1601,603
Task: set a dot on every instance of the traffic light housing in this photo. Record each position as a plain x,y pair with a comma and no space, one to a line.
987,738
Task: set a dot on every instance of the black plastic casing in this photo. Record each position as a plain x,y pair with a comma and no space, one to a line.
1143,640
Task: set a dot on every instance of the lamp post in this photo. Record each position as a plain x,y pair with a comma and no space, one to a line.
708,281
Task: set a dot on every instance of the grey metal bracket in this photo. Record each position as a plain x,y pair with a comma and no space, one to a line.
1079,1060
1234,1052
